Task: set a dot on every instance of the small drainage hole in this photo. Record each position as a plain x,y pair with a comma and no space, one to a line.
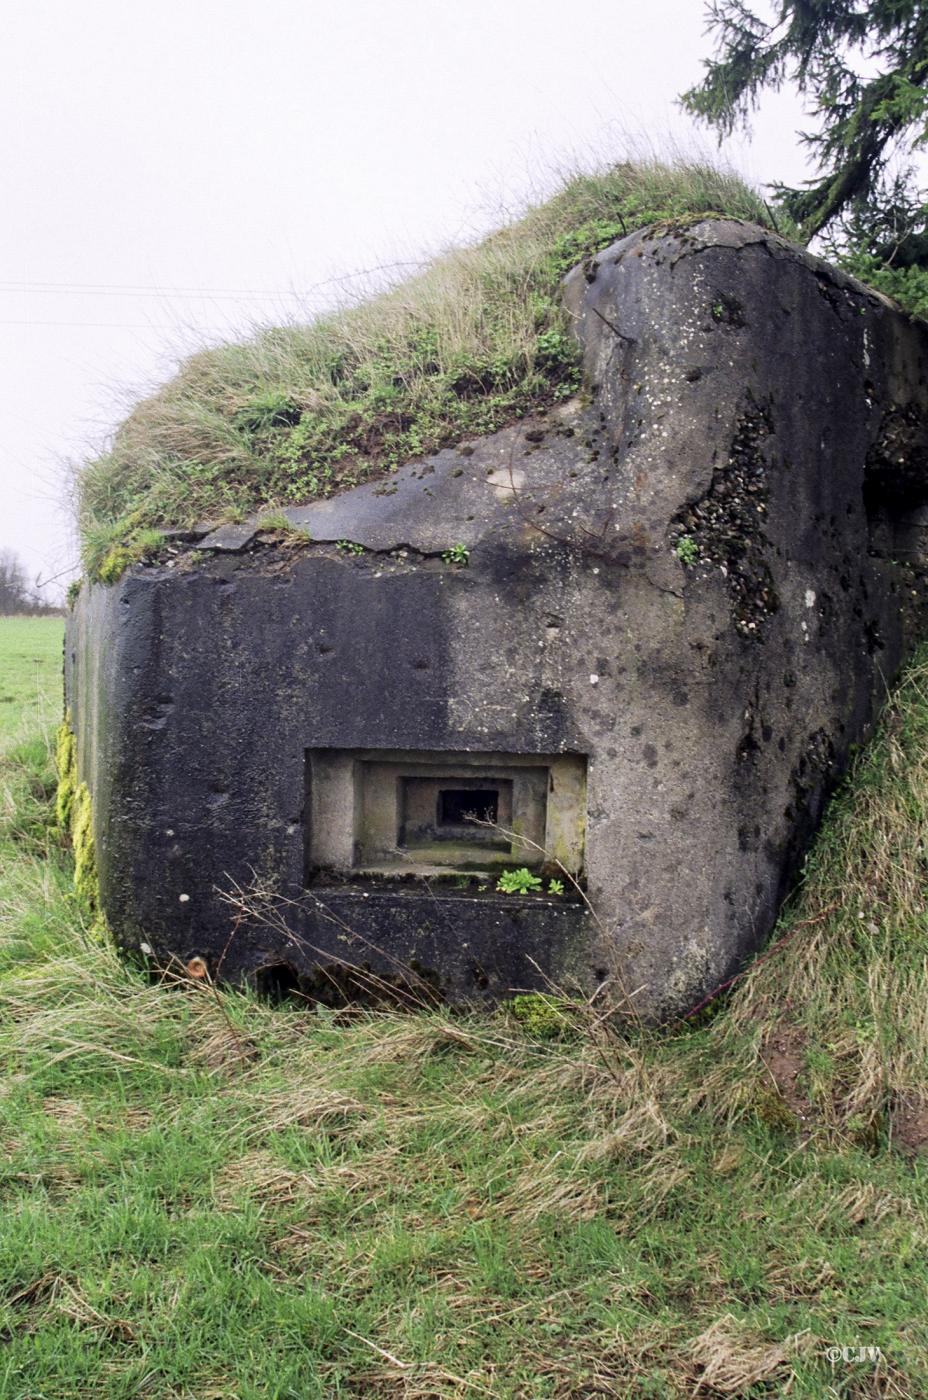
277,982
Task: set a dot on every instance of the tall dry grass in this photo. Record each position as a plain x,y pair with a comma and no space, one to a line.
297,411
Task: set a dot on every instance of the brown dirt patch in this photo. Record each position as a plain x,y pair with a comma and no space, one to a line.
910,1124
785,1059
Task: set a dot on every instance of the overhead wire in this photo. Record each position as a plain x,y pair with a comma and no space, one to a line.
240,295
115,325
38,286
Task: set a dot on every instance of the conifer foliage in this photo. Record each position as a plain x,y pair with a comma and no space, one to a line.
862,66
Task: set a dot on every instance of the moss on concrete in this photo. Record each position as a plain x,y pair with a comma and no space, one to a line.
66,764
141,544
74,815
85,854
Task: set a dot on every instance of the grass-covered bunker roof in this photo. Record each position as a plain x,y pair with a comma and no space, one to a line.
300,411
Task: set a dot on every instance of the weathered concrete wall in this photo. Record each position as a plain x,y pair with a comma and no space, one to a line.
742,396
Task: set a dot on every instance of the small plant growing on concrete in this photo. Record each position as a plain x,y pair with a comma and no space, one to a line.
273,520
520,881
280,523
458,555
349,547
555,887
686,549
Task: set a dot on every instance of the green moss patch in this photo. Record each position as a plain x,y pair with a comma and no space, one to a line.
85,854
74,814
544,1017
140,544
66,764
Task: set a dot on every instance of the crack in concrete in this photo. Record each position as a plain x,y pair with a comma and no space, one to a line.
629,339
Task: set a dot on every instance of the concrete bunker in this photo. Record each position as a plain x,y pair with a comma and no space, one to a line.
634,635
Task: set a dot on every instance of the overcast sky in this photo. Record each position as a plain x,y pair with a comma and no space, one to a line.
177,172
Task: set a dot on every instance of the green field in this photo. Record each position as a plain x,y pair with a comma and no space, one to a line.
30,675
208,1197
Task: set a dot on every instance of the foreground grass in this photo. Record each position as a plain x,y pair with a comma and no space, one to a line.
204,1196
299,411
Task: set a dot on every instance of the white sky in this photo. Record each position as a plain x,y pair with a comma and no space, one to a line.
175,172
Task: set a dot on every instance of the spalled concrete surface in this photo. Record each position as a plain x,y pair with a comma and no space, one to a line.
749,409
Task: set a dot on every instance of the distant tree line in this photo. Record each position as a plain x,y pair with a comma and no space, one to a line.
17,595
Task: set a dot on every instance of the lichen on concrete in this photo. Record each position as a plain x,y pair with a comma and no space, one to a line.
85,856
66,764
74,815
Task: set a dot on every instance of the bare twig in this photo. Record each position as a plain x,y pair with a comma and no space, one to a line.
387,1356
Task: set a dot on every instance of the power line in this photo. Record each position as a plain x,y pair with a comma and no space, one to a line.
124,325
130,289
191,293
51,290
139,288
